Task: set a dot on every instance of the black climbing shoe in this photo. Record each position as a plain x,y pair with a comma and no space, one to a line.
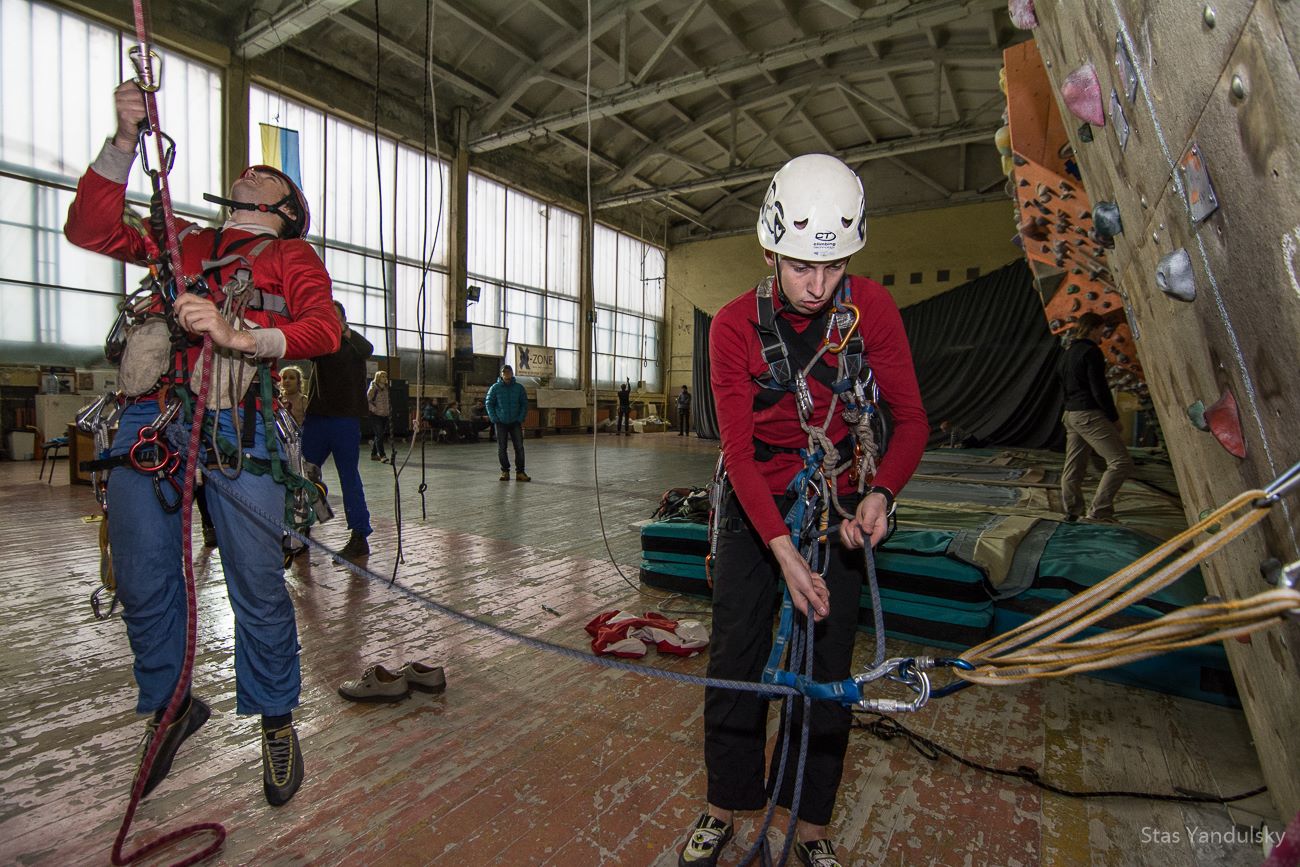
819,853
173,736
703,847
282,770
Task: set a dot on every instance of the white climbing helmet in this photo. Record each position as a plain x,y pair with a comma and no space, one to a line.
815,210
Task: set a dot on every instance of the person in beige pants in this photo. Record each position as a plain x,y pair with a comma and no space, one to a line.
1090,420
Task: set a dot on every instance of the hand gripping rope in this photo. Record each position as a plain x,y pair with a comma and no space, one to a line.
143,56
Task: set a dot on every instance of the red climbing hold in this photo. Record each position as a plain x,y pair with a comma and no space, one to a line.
1022,14
1225,424
1082,94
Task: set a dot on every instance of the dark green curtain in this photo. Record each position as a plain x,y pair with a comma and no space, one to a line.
704,414
986,361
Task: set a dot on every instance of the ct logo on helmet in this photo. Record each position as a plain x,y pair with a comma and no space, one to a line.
825,236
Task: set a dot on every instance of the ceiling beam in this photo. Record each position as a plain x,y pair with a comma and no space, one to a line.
667,42
880,107
794,109
866,29
844,7
843,67
920,175
275,30
864,153
525,73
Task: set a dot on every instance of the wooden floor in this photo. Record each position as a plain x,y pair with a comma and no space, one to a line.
530,758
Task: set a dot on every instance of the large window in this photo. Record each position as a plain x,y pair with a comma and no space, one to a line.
523,255
628,279
350,207
57,73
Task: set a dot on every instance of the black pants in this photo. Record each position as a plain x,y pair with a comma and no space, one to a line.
684,420
746,585
624,423
378,424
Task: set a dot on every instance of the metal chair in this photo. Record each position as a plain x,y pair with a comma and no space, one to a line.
50,454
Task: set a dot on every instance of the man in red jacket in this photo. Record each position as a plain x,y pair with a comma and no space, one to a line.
812,221
289,315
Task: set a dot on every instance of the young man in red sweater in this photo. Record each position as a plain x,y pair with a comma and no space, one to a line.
292,318
812,221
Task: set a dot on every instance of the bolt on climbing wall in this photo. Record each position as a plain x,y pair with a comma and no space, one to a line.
1182,114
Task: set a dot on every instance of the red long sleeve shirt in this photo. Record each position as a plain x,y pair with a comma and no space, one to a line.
736,360
289,268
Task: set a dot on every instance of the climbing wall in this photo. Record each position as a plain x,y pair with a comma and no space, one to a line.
1065,247
1199,149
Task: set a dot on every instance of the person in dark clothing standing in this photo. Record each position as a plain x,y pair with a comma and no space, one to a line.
624,411
812,221
683,412
333,425
507,407
1090,420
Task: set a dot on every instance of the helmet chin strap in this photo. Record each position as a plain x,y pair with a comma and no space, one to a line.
249,206
784,302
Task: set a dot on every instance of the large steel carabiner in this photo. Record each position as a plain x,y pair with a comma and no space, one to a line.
148,68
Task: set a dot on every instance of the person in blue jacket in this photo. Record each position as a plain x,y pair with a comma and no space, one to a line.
507,407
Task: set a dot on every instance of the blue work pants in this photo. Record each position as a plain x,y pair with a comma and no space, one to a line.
147,561
325,435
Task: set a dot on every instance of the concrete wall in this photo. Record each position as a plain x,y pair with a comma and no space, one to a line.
708,274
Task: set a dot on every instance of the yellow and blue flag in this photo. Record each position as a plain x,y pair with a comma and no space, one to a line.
280,151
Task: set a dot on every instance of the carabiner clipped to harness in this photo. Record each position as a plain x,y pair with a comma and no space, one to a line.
835,323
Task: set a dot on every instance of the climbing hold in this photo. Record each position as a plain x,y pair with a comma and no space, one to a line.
1196,413
1002,138
1019,160
1075,304
1225,424
1091,296
1205,513
1022,14
1008,166
1174,276
1072,289
1106,219
1082,94
1085,133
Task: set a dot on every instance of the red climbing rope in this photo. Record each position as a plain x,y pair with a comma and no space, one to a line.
143,56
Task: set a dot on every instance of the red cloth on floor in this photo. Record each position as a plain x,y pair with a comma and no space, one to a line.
627,636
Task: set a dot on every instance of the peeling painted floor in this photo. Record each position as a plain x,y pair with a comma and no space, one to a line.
530,758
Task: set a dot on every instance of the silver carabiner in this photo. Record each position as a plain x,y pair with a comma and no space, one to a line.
802,396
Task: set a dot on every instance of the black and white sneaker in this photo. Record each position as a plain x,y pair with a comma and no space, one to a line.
819,853
703,847
282,769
